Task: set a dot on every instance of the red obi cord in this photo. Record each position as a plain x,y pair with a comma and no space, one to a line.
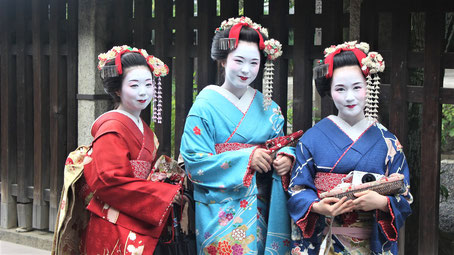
359,56
235,34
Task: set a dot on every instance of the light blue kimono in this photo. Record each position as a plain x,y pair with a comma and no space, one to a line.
233,215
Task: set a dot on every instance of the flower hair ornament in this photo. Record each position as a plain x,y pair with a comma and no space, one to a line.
271,48
371,64
157,67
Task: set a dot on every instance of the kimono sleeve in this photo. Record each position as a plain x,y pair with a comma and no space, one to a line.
227,170
302,191
399,205
110,177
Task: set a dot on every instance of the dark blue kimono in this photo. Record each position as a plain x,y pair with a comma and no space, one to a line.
376,150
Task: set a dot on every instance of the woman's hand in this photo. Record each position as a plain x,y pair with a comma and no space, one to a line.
282,164
370,200
261,160
331,206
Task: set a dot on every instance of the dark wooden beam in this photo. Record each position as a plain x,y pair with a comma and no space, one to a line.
184,68
8,117
206,67
399,71
163,38
276,29
58,108
41,118
431,130
302,78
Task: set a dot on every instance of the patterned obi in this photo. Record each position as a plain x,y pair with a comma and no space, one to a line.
141,168
327,181
223,147
348,225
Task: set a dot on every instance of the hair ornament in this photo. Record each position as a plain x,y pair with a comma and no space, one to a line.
157,67
271,48
371,63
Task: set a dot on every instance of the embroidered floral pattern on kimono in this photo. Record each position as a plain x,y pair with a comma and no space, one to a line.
226,193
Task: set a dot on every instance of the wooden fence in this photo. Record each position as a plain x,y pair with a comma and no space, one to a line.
38,50
386,25
39,78
38,56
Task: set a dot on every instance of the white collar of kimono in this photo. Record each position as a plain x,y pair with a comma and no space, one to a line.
355,131
242,103
133,118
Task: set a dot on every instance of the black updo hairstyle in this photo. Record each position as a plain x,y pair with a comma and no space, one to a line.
113,84
247,34
323,85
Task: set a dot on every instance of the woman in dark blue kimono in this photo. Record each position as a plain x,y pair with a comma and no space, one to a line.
338,145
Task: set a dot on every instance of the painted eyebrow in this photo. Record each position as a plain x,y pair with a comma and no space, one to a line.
238,56
149,79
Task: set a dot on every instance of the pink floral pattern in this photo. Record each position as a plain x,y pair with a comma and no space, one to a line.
141,169
327,181
223,147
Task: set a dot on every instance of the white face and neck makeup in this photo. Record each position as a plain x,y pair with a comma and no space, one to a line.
137,90
241,68
348,90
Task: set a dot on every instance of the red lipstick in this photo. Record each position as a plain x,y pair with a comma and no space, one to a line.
351,106
243,78
142,101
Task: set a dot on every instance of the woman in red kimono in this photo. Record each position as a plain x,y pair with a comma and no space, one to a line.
128,212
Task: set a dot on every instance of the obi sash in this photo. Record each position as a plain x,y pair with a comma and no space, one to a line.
223,147
327,181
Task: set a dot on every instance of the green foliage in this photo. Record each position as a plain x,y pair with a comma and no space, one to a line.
290,113
447,123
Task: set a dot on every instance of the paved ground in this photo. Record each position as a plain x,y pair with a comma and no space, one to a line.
7,248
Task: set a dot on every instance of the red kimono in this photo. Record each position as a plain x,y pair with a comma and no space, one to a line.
128,212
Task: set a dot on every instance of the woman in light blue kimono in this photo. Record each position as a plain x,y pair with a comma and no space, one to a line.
238,186
333,148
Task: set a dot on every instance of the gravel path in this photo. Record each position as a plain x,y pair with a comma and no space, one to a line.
447,206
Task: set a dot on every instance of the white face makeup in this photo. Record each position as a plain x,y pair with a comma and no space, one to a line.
241,67
137,90
348,90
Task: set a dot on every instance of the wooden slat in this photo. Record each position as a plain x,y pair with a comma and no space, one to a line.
8,215
331,35
184,68
72,77
24,136
431,129
163,41
206,67
279,9
229,9
142,36
399,72
41,118
122,13
398,116
369,23
302,79
57,109
254,10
